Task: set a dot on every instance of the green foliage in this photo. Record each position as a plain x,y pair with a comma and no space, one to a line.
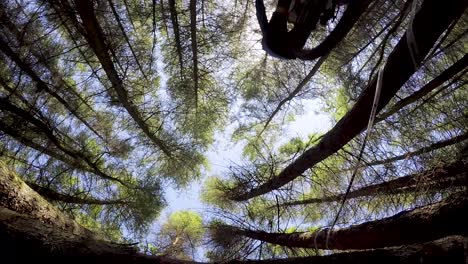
214,193
260,210
144,205
187,222
297,145
180,235
338,104
118,125
111,232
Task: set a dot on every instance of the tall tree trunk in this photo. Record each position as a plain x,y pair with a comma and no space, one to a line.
24,238
41,85
446,250
163,14
175,28
47,131
432,147
431,20
415,226
436,179
193,36
17,196
53,195
94,36
33,230
456,68
124,33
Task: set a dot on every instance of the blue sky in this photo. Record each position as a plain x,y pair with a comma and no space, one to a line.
223,152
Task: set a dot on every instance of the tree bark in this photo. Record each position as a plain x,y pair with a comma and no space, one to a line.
447,250
32,229
436,179
431,20
175,28
193,36
422,224
53,195
24,238
17,196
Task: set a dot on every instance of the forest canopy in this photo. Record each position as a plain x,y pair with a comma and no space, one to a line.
108,106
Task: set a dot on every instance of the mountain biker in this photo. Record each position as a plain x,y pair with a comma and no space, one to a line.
304,14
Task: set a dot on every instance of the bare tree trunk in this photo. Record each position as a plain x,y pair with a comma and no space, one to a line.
24,238
446,250
46,130
175,28
456,68
436,179
193,36
419,225
53,195
95,38
15,195
32,229
436,145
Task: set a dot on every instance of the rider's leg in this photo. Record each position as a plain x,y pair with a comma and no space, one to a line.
306,24
283,7
276,38
278,22
329,12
